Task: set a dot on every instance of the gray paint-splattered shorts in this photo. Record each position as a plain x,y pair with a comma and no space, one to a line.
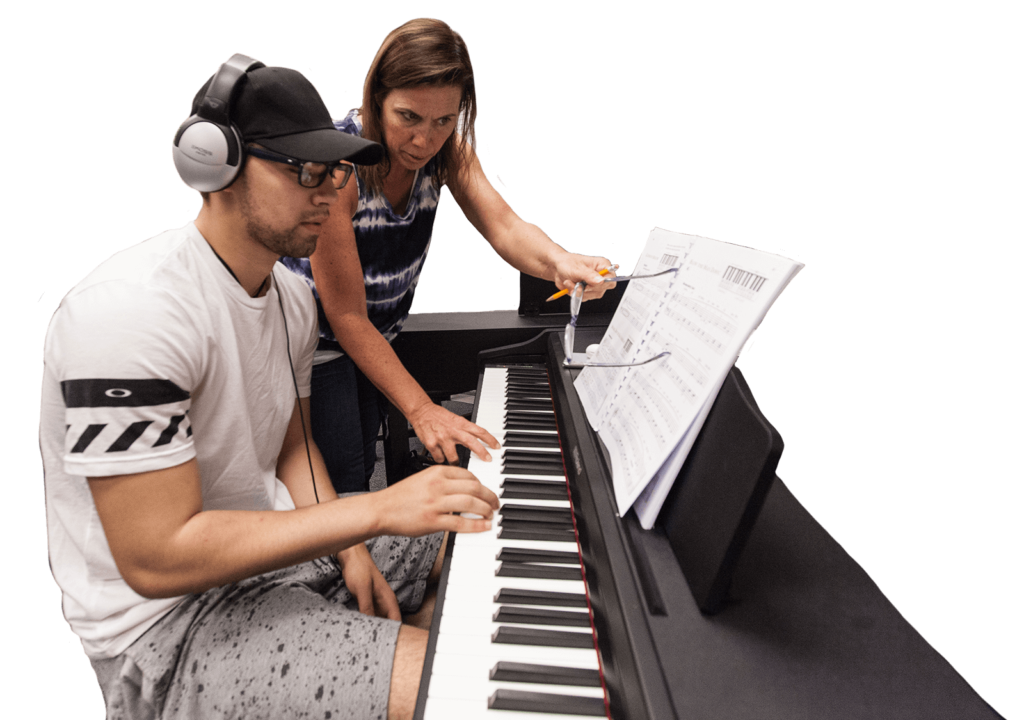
285,644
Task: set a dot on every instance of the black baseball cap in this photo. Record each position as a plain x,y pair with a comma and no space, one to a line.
282,111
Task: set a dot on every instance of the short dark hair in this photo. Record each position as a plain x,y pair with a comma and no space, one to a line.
420,52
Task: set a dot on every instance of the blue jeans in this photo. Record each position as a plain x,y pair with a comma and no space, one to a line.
347,411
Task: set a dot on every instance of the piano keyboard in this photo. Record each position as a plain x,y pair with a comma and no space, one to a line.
515,637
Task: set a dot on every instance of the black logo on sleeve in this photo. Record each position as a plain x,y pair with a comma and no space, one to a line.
94,393
135,406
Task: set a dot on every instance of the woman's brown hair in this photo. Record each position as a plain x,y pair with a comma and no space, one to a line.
420,52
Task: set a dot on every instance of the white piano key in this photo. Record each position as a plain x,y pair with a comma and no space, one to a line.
487,585
460,606
471,625
472,544
469,548
472,686
449,665
491,652
452,709
490,538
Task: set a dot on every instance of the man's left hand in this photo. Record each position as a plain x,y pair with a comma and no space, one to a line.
367,584
572,268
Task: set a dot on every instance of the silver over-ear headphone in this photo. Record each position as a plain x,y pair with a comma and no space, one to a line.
207,147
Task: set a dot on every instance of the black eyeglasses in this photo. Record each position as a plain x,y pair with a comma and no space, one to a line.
311,174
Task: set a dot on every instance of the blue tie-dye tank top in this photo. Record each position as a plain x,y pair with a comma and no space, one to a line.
392,249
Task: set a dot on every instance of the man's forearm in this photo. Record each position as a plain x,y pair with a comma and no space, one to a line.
167,545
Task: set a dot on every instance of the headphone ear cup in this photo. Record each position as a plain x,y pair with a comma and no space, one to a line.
207,155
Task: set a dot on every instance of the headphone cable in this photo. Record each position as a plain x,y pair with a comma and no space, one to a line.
295,383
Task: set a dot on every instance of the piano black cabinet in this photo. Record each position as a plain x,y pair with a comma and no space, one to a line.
802,633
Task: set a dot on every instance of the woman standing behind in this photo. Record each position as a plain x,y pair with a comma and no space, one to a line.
419,102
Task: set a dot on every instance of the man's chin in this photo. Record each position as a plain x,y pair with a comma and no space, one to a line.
307,249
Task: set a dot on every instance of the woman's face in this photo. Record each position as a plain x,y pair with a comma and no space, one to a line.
416,122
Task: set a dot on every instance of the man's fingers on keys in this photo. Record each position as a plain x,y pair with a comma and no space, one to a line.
470,486
469,523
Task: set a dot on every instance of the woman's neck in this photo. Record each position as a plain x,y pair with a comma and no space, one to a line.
398,187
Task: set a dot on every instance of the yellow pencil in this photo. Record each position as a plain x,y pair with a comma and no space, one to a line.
560,293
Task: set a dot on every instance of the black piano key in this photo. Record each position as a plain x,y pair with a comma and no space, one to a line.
557,557
538,386
512,635
537,396
505,699
547,535
564,528
541,616
529,414
537,421
512,614
536,406
528,390
542,457
518,424
526,439
549,457
537,702
536,571
521,468
518,491
537,513
553,487
517,596
505,671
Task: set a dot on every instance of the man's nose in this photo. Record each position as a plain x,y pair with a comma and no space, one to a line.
325,193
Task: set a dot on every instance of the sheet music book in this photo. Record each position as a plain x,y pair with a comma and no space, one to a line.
650,415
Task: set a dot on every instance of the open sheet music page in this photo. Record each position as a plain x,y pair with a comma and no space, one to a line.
649,415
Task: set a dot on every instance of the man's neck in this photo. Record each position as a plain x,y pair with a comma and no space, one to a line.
249,262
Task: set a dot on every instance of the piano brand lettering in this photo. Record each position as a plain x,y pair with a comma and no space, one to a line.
576,460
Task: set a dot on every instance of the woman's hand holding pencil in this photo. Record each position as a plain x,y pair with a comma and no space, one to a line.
603,271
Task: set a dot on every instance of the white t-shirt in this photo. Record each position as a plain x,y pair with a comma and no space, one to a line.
159,356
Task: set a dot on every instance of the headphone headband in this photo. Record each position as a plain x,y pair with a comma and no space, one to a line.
216,102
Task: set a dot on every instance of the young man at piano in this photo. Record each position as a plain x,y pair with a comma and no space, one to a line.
419,102
204,558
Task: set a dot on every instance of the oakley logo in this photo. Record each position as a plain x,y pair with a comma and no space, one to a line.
117,393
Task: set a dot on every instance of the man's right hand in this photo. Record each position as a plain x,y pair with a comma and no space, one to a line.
431,500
